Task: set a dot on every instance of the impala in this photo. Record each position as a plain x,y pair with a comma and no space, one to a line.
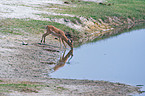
58,33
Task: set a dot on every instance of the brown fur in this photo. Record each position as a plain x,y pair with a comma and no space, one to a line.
58,33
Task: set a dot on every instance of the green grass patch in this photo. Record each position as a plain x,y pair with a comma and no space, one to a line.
20,87
28,87
29,26
61,88
119,8
72,19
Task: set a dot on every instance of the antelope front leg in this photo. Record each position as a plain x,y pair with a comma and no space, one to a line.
60,43
63,43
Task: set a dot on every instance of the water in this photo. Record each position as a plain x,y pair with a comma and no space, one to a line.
116,59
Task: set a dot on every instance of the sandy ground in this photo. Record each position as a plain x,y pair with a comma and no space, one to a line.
33,8
32,63
24,8
61,87
23,59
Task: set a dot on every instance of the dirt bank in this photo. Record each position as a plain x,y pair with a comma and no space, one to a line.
22,57
61,87
24,61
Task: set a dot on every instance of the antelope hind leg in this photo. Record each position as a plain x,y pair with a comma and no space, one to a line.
43,37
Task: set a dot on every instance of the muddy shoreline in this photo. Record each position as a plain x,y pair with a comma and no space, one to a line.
31,63
65,87
99,35
24,59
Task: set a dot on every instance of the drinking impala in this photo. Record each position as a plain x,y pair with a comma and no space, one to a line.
58,33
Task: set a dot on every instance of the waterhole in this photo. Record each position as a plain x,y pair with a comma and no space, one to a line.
119,58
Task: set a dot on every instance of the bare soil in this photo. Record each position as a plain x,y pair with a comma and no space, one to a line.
23,59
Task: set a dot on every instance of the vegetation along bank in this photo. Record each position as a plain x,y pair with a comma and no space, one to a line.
80,20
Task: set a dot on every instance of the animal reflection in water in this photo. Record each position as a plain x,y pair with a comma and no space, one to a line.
61,62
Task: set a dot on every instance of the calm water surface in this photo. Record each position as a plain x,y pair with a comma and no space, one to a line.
116,59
